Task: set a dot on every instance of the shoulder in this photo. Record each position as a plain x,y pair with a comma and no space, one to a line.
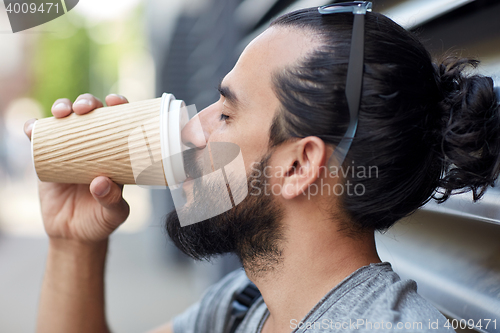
397,299
375,298
211,312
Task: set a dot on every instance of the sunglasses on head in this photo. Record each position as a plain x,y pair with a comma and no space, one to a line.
354,79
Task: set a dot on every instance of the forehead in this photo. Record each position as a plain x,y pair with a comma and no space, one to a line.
273,50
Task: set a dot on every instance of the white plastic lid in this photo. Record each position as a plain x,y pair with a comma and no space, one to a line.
173,118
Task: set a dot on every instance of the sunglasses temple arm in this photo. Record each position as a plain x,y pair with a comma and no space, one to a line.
354,84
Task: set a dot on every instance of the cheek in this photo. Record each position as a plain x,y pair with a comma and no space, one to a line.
252,142
273,174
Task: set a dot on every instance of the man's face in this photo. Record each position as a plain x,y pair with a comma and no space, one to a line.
243,116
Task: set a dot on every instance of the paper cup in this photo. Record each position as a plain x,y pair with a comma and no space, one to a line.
134,143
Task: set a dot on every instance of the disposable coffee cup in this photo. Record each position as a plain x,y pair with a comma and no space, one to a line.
140,143
134,143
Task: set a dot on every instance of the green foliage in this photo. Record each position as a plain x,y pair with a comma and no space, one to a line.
74,59
61,66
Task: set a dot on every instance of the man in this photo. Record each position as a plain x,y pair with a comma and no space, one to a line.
315,270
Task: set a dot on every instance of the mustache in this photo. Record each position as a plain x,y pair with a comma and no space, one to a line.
200,162
191,158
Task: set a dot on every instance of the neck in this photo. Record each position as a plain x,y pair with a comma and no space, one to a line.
316,257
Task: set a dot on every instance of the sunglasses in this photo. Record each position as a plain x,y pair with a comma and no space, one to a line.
354,79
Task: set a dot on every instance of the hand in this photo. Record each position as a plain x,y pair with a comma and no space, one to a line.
79,212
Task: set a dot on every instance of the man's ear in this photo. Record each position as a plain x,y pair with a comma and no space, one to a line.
308,161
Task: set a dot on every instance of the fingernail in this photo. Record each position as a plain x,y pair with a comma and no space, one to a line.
60,107
102,189
119,96
83,101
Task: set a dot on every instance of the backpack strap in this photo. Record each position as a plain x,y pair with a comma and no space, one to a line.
241,304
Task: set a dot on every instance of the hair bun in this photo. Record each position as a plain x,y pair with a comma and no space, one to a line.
470,135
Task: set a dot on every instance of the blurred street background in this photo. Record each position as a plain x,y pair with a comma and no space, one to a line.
140,49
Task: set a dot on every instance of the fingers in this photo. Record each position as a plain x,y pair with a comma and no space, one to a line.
61,108
86,103
109,196
83,104
114,99
28,127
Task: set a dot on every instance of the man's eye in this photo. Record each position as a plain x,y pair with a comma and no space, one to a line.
223,117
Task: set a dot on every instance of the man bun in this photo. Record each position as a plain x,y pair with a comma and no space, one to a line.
470,129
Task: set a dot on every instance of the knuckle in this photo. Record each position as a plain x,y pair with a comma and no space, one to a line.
115,196
87,97
61,100
117,99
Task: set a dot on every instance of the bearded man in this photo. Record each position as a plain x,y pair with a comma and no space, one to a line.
298,95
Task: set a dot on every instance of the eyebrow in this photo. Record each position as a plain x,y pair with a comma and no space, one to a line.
228,94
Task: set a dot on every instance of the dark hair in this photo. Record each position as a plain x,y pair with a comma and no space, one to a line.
431,130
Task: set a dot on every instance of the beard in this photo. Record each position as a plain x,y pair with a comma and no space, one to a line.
252,229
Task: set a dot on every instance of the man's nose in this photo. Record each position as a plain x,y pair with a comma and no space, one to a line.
196,132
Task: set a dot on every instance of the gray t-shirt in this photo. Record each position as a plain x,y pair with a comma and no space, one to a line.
372,299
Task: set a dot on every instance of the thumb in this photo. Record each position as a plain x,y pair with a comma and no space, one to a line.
109,195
